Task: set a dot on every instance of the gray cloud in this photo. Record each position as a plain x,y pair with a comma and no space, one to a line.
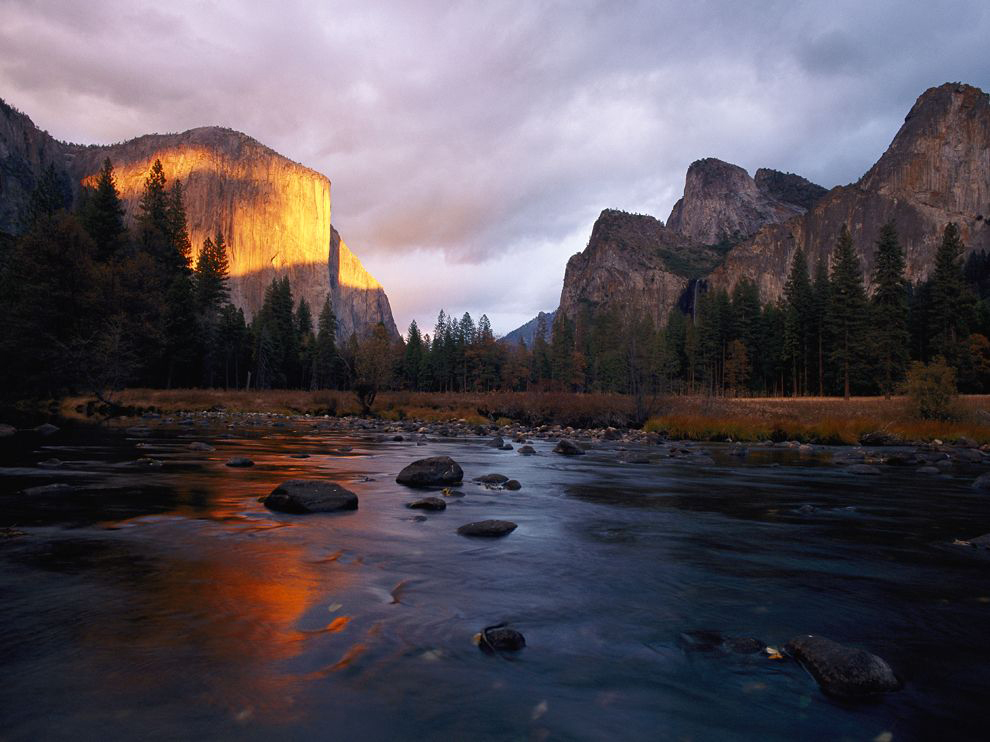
472,145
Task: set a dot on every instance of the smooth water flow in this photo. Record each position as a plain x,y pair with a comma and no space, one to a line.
165,602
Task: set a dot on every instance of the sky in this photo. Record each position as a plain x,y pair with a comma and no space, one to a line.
471,146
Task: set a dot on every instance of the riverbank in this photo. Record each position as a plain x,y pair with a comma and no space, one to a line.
820,420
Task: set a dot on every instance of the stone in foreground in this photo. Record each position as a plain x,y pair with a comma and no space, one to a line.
437,471
568,448
500,638
428,503
841,671
310,496
487,528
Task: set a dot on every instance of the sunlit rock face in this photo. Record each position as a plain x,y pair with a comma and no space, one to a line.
274,213
936,170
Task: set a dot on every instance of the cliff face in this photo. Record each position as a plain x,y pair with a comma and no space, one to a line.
633,263
527,332
936,170
274,213
722,203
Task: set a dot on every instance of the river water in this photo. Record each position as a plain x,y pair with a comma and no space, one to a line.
167,603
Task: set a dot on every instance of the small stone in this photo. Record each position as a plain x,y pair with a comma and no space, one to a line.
47,489
492,479
199,446
982,482
863,469
496,442
568,448
437,471
842,671
744,645
501,638
513,485
50,463
927,470
240,462
299,456
428,503
448,492
47,429
310,496
526,450
487,528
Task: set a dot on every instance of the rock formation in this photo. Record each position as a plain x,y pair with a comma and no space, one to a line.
936,170
274,213
527,332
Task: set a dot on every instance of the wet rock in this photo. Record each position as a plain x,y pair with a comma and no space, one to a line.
448,492
507,447
496,442
863,469
806,509
513,485
744,645
299,456
500,638
436,471
568,448
487,528
146,462
138,431
980,542
492,479
398,438
701,640
526,450
428,503
199,446
878,438
927,470
943,464
982,482
310,496
47,429
240,462
419,519
47,489
968,455
50,463
841,671
7,430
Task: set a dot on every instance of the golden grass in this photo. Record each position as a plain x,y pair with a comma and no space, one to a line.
808,419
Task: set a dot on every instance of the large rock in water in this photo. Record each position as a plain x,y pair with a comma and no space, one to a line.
841,671
568,448
487,528
274,213
437,471
310,496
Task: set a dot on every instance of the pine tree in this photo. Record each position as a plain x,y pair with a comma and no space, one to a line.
562,351
889,306
821,292
51,194
103,214
952,303
847,313
326,360
798,299
541,352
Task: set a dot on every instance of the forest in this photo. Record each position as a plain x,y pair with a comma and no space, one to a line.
93,306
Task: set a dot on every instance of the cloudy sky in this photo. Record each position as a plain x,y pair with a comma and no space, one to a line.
472,145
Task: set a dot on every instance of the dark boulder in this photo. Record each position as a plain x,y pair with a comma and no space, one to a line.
487,528
47,429
513,485
428,503
200,446
878,438
310,496
437,471
841,671
496,442
500,638
492,479
982,482
240,462
526,450
568,448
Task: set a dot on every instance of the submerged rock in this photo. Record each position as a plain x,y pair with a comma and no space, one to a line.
706,640
492,479
310,496
841,671
428,503
437,471
47,489
200,446
47,429
866,469
500,638
982,482
240,462
487,528
526,450
513,485
568,448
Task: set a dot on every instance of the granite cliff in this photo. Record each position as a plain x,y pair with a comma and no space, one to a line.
728,225
274,213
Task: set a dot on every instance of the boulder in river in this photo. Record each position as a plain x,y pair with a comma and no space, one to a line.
47,429
240,462
200,446
492,479
436,471
428,503
500,638
867,469
310,496
513,485
982,482
841,671
526,450
487,528
568,448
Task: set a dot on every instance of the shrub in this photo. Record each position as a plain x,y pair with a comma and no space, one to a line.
931,388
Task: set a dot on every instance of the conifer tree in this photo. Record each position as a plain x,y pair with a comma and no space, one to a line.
326,360
798,300
890,338
820,295
51,194
952,303
413,357
847,313
103,214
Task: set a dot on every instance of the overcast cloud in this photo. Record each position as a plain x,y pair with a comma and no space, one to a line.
471,146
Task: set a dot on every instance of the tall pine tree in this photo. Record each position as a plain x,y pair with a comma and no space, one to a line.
889,311
847,313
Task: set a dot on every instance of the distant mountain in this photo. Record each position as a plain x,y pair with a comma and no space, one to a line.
527,333
274,213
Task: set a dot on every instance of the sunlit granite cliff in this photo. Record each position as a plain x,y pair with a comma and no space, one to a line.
274,213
